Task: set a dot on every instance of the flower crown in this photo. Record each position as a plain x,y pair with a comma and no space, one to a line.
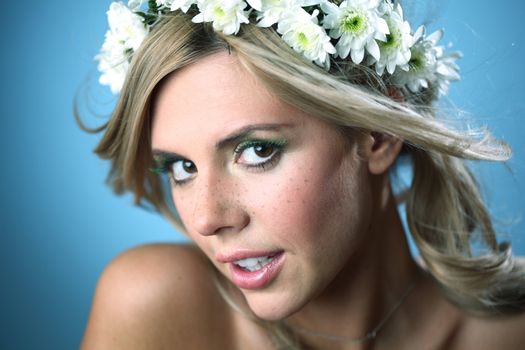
368,32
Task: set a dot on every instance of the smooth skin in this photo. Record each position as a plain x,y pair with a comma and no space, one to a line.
321,196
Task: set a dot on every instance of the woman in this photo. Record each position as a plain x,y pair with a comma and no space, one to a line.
277,140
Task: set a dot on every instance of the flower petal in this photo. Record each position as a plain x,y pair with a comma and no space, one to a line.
373,49
436,36
256,4
382,26
268,21
198,18
357,55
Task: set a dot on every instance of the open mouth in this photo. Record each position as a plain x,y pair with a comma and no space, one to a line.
256,272
254,264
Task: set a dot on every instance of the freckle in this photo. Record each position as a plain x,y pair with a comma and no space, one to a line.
288,201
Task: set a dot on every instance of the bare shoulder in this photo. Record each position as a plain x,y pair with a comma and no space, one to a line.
156,297
496,332
500,332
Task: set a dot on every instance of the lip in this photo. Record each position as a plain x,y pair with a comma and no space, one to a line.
259,279
244,254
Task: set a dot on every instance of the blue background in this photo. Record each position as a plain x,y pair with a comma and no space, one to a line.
60,225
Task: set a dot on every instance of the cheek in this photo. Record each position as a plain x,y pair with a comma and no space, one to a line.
314,201
185,207
181,204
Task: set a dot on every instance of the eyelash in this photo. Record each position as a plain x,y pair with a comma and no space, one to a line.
164,163
278,146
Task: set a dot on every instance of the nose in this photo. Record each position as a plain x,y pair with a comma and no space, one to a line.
217,208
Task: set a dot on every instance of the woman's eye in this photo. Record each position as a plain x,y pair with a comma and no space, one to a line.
182,170
258,153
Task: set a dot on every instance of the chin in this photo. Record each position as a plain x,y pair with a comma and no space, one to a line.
270,307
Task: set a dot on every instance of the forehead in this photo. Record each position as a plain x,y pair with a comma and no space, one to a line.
210,97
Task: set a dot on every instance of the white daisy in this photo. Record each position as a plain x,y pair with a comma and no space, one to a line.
226,15
134,5
173,5
447,70
395,51
422,63
357,24
301,31
114,69
255,4
273,10
125,35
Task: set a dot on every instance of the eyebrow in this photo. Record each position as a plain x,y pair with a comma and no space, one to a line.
234,137
247,131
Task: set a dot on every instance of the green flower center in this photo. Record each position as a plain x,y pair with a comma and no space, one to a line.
417,62
219,12
354,22
391,41
302,39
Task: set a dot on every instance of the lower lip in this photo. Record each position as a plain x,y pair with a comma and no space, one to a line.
257,279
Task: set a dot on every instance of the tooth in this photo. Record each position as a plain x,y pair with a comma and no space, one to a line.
254,264
250,262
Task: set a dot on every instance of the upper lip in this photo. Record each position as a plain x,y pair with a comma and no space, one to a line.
244,254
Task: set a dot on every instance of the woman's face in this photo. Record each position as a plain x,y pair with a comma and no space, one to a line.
278,200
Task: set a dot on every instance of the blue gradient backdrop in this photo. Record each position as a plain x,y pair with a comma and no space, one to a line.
59,223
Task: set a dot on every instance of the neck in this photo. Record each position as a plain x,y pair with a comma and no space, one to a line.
367,289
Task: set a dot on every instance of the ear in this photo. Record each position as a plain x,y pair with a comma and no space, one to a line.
382,150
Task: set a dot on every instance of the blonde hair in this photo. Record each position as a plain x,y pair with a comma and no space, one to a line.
445,210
